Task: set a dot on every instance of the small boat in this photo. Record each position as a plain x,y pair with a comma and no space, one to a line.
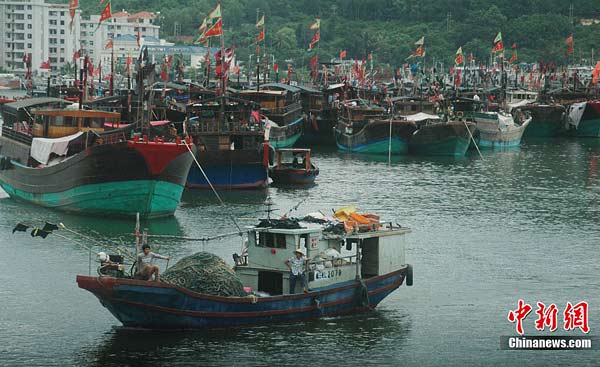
293,166
583,119
436,137
347,272
66,160
320,117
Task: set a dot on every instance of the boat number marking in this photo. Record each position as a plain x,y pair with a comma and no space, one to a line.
327,274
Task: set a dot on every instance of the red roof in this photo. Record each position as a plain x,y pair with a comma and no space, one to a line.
120,14
143,15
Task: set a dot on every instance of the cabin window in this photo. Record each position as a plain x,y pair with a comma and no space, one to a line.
271,240
59,121
270,282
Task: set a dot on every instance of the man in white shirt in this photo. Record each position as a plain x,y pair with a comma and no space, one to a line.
145,263
297,265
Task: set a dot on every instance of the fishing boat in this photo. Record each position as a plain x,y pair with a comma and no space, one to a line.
347,272
293,166
437,137
231,151
493,130
66,160
390,136
583,119
281,109
363,127
19,111
547,120
320,121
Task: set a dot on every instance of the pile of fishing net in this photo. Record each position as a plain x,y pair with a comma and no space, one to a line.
205,273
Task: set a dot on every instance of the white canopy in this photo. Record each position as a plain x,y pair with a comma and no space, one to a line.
421,116
42,148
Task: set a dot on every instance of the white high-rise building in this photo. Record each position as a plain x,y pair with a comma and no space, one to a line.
38,28
122,28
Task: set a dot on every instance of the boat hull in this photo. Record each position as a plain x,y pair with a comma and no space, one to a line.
119,179
286,136
546,121
444,139
374,138
154,305
319,135
229,170
489,135
294,176
589,125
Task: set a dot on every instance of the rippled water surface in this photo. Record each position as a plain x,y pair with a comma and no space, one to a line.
515,224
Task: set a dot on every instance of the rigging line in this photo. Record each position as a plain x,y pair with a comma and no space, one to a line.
212,187
63,227
203,239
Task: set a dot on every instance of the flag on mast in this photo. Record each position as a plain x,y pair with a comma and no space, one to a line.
106,14
498,45
216,13
109,44
215,30
261,22
569,42
73,5
459,56
314,40
316,25
420,41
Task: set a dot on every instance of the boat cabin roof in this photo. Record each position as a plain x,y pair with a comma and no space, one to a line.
78,113
293,150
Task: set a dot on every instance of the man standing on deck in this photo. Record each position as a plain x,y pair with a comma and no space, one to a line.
297,264
145,262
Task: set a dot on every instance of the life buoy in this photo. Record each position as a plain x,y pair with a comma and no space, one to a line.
409,275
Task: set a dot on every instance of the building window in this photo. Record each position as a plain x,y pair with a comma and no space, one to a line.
28,7
20,7
62,13
29,16
52,22
29,36
52,13
53,31
62,41
91,43
62,31
62,59
62,22
29,45
28,26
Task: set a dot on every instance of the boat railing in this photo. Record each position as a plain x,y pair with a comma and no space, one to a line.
332,263
212,126
17,135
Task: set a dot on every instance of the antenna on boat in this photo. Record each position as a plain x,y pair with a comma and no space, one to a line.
269,203
295,207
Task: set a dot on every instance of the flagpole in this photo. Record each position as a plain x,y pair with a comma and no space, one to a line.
112,70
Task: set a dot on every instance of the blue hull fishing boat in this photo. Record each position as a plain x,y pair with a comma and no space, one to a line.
349,268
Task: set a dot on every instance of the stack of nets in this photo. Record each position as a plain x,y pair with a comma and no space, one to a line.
205,273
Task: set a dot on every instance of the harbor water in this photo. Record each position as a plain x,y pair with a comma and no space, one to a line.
518,224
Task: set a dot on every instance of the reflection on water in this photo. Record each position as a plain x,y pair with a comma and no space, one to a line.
278,344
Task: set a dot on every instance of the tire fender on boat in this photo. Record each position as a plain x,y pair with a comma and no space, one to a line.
409,275
363,294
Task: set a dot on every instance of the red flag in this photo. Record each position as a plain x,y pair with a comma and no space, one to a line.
261,36
139,37
420,52
163,73
457,79
314,40
370,57
76,55
215,30
73,5
45,65
106,14
236,69
470,57
569,42
596,73
343,54
109,44
513,58
313,61
499,46
514,45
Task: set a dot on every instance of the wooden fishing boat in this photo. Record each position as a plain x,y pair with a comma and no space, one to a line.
493,130
440,138
231,149
319,122
583,119
347,273
293,166
67,161
547,120
280,104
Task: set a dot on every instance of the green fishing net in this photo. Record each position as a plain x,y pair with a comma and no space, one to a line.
205,273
